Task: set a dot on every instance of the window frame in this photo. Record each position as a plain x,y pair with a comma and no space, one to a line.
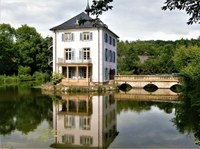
68,54
86,54
68,37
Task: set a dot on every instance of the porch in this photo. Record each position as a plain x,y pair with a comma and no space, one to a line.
76,75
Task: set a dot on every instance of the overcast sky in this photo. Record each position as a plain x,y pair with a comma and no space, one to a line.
129,19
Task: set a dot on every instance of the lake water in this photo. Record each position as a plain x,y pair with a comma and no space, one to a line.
29,118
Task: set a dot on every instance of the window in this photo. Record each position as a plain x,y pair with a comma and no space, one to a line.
86,53
113,57
82,72
110,53
68,37
86,140
106,54
86,36
68,54
68,139
69,121
106,37
85,123
72,74
106,73
113,42
110,40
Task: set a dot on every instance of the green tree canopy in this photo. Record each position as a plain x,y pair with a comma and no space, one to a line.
7,54
25,47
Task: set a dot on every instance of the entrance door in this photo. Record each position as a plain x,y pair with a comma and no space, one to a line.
112,74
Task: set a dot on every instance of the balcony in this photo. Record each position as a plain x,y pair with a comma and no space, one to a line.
74,61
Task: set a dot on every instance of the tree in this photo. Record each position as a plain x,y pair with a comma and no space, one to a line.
192,7
32,49
7,53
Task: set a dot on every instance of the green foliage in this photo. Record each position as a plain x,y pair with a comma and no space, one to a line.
8,79
25,47
187,119
23,109
162,57
56,78
24,73
7,54
24,70
41,77
146,57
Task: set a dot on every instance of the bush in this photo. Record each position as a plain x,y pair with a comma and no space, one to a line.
8,79
24,73
24,70
39,76
56,78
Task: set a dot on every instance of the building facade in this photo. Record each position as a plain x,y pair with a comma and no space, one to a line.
86,54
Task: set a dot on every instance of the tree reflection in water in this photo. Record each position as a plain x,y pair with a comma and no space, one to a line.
187,116
23,111
187,111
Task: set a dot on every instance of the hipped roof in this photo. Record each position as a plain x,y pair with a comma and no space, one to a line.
73,23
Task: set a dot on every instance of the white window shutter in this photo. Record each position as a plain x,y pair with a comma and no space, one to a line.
81,36
63,37
72,36
91,36
80,54
73,54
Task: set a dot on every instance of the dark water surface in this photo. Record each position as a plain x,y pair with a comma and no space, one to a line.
30,119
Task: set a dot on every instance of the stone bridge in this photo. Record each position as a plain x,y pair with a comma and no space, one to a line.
140,81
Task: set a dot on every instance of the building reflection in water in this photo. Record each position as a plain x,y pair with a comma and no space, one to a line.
85,121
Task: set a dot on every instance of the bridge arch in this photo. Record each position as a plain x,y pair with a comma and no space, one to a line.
150,87
125,87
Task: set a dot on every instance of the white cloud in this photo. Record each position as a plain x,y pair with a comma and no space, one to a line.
131,20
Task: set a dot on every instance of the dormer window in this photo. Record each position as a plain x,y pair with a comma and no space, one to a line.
67,37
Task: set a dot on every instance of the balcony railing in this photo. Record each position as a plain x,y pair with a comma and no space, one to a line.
75,60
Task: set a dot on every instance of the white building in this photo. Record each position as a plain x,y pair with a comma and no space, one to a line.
85,54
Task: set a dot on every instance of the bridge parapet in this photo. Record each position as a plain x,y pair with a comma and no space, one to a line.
143,78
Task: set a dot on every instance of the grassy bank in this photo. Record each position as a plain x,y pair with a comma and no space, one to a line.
36,77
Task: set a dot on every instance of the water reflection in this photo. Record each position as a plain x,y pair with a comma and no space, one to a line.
144,120
85,121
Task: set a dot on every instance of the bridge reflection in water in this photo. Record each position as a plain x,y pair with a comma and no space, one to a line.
84,121
142,94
